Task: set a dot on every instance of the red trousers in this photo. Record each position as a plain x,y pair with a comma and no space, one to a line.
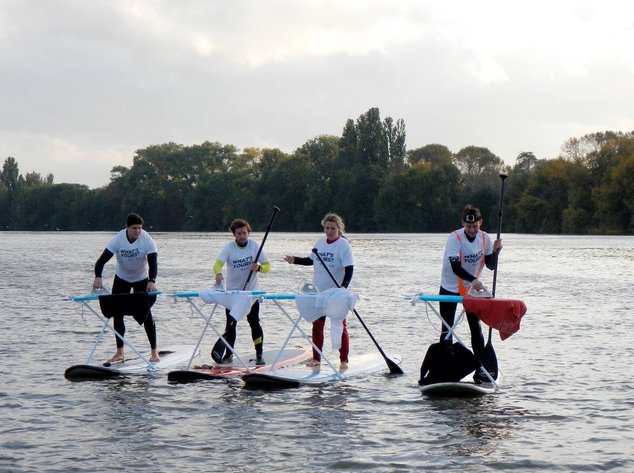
318,339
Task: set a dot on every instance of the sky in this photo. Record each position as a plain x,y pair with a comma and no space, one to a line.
84,84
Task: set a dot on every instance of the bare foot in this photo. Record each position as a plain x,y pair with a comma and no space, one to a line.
117,358
343,366
313,363
154,358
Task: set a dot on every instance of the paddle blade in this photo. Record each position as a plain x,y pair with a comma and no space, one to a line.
218,351
394,368
489,363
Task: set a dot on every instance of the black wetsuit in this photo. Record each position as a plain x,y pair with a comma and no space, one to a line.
121,286
448,309
257,334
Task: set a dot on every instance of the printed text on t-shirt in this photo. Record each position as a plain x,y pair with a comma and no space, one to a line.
241,263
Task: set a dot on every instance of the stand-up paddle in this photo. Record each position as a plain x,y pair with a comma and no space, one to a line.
394,368
266,234
489,359
218,351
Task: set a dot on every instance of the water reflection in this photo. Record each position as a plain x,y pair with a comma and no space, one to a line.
474,426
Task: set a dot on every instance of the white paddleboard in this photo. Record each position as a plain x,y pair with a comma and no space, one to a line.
463,388
170,356
295,376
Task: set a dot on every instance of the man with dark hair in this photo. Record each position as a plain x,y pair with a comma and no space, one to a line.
468,250
137,268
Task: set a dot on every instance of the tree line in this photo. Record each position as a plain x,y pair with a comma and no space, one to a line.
367,175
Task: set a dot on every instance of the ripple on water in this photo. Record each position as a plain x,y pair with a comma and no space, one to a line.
565,404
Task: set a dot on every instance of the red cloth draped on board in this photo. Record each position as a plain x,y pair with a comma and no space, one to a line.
503,315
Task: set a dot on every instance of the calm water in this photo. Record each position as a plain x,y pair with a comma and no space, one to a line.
566,404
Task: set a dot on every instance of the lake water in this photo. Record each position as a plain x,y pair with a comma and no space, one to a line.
567,402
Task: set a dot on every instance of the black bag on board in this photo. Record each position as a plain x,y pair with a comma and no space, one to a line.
136,304
445,362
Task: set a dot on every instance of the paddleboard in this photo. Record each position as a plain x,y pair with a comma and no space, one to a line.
463,388
289,356
170,356
295,376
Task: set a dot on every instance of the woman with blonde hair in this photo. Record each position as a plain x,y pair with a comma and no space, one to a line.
336,253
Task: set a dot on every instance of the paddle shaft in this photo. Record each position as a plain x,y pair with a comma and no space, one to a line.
495,271
266,234
219,348
394,368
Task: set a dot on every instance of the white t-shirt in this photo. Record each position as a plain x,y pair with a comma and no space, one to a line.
470,253
131,257
337,255
238,261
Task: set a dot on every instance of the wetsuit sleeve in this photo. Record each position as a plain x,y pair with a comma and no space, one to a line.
347,276
459,271
491,260
303,261
152,261
218,267
101,262
265,267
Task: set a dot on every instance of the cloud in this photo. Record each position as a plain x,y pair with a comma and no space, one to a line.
67,161
105,78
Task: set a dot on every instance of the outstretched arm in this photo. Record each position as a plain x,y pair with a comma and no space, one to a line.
303,261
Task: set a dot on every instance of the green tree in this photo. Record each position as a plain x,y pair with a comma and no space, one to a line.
289,185
433,154
525,163
362,167
5,208
53,207
479,167
32,179
542,205
219,199
321,155
623,177
372,142
612,195
267,184
10,174
9,177
423,199
158,184
597,197
395,144
515,187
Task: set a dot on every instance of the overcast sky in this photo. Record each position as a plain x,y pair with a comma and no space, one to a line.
85,83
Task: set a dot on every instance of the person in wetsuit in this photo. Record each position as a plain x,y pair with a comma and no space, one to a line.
137,268
467,251
240,257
